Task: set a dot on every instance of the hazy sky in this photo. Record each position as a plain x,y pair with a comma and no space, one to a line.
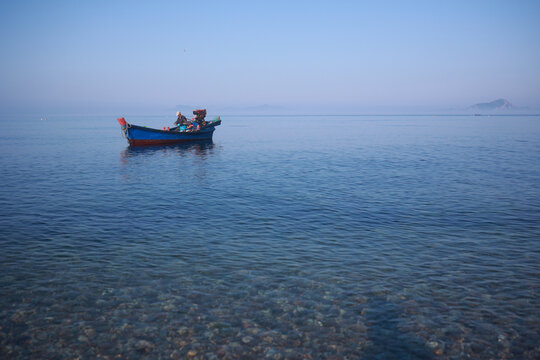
155,54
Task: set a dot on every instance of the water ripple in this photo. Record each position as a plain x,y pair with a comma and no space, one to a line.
398,238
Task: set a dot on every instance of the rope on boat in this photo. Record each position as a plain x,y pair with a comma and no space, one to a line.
124,130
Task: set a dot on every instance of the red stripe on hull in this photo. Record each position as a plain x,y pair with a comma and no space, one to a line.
134,142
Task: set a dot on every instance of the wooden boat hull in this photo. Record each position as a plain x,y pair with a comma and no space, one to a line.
143,136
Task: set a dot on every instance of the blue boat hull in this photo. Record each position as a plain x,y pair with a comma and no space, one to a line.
143,136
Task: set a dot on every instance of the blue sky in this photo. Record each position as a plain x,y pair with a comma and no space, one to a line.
114,55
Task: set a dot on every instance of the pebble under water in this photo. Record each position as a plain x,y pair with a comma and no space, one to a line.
306,237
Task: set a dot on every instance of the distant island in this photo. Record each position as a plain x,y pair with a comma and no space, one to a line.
496,105
500,106
264,109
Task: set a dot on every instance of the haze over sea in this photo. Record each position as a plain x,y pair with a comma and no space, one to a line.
287,237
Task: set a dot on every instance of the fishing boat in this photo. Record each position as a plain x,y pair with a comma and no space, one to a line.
143,136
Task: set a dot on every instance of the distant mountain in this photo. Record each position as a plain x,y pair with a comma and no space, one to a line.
264,109
184,108
496,105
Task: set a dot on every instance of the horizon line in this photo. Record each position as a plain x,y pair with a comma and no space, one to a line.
275,115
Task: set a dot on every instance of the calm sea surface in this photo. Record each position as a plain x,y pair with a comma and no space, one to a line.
372,237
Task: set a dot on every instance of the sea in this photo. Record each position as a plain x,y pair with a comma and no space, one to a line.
286,237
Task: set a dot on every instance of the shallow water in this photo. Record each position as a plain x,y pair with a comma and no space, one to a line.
375,237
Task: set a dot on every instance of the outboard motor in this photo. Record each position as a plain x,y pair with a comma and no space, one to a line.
200,115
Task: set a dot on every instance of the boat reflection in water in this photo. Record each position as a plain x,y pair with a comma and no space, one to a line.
201,149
